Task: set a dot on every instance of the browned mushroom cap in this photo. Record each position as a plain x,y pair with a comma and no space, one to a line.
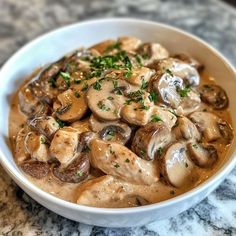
116,131
167,87
75,172
106,100
214,95
152,51
37,147
175,165
184,128
72,107
45,125
105,46
36,169
149,139
226,131
207,123
128,43
203,155
193,62
177,68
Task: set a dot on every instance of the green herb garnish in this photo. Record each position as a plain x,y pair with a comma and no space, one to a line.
102,106
169,72
52,82
66,77
80,173
97,85
61,123
156,118
153,96
144,84
184,92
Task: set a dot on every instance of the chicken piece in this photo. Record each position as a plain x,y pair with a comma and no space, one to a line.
117,160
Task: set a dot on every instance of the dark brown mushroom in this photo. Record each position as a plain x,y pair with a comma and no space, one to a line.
203,155
75,172
35,169
214,95
150,139
45,125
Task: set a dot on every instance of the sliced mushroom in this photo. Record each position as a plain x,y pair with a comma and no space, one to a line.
85,140
152,51
167,85
104,46
226,131
149,139
189,60
21,153
72,107
45,125
214,95
203,155
207,123
189,103
35,169
64,146
138,112
163,114
176,166
186,129
107,101
177,68
81,125
128,43
117,160
75,172
37,147
115,131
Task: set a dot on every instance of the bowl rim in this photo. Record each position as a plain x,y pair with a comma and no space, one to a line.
226,168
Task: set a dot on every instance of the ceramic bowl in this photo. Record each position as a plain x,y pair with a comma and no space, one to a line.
54,45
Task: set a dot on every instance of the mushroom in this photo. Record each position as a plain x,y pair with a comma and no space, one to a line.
226,131
35,169
105,46
189,60
81,125
137,109
75,172
115,131
72,107
179,69
151,52
45,125
149,139
203,155
20,152
128,43
184,128
64,146
117,160
107,99
207,123
175,165
166,85
214,95
37,147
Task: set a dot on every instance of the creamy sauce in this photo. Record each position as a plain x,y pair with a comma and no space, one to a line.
154,193
157,191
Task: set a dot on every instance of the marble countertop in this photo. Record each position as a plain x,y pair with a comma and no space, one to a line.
21,21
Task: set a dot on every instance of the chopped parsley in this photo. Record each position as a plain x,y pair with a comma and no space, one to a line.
160,151
110,134
66,77
172,192
115,83
195,145
169,72
113,46
142,152
80,173
52,82
186,164
138,59
85,148
77,81
184,92
153,96
116,165
102,106
61,123
144,84
76,93
42,140
127,73
85,87
127,160
156,118
97,85
110,98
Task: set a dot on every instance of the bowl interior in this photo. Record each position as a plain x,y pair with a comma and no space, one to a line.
54,45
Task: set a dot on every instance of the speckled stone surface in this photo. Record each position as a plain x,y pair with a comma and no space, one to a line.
21,21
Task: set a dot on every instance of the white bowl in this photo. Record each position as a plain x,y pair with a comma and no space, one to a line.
54,45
